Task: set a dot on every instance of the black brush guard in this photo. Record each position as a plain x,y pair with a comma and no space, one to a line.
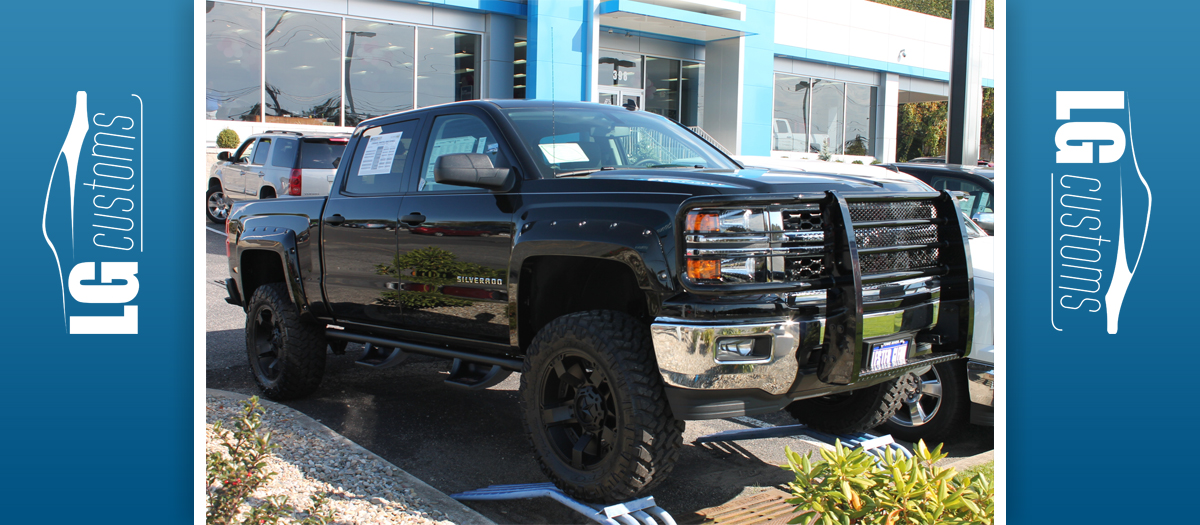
844,353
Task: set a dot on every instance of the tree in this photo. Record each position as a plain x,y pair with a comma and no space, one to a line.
940,8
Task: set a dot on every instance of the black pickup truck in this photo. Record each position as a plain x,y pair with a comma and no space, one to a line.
634,274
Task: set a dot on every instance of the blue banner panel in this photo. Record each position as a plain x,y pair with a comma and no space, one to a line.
1100,309
97,375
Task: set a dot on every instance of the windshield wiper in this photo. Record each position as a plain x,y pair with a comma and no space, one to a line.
580,173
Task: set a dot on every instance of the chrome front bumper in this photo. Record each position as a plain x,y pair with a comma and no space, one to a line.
687,350
981,382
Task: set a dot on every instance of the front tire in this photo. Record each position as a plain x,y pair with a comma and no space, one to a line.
934,408
216,206
287,355
595,409
855,411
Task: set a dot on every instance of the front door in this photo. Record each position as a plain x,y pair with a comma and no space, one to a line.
454,241
358,227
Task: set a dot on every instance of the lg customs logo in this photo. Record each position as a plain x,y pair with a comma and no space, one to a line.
93,216
1100,210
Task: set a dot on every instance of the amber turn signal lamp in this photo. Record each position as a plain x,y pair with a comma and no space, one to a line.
709,270
702,222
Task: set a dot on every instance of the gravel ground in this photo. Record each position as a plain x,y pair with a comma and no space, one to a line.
361,487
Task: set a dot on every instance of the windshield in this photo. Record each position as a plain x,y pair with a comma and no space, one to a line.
575,141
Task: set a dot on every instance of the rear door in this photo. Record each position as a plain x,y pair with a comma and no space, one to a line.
255,173
454,242
358,230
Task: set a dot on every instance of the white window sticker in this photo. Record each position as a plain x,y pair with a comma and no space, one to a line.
563,152
377,159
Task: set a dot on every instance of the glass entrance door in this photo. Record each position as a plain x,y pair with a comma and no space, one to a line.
621,97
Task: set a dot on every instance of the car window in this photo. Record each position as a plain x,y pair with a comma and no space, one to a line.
319,153
285,153
261,151
379,159
244,152
457,134
979,200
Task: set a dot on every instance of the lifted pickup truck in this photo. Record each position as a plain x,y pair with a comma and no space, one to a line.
633,274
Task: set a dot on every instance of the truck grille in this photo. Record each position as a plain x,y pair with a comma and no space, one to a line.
891,211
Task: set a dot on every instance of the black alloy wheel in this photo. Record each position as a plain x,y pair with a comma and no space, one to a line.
578,410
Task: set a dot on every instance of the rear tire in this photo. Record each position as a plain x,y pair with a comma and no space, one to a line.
287,355
855,411
595,409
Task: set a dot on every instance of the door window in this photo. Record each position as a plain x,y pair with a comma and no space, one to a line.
261,151
457,134
380,158
979,200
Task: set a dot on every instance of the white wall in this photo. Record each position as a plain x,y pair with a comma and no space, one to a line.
874,31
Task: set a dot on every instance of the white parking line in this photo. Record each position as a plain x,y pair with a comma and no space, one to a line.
219,232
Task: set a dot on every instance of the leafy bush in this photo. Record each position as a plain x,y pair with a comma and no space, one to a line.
851,487
227,139
233,475
876,161
857,162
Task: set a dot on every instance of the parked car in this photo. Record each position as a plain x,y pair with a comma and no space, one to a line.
983,163
633,287
273,164
977,182
948,394
955,392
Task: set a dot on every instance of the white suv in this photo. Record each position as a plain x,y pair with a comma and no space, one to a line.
273,164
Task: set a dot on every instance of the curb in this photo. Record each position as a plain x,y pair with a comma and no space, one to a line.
962,464
455,511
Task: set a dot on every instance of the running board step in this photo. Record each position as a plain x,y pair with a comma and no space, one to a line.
381,356
475,376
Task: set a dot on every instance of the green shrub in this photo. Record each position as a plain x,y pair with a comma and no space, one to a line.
849,486
857,162
876,161
233,475
227,139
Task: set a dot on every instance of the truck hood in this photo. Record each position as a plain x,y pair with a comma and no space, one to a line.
761,180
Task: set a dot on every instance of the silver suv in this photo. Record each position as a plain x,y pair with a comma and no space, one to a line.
273,164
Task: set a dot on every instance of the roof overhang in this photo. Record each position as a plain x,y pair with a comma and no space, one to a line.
696,20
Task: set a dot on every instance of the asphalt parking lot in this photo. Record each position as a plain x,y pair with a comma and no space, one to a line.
458,440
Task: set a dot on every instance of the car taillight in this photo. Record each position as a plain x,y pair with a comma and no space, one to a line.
294,183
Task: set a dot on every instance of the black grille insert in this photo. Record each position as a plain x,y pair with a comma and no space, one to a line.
891,211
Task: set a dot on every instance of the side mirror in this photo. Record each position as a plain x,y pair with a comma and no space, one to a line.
336,162
470,169
986,220
223,156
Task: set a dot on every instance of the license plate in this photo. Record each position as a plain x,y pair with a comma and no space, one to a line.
888,355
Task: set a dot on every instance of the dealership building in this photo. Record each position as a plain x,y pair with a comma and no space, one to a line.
760,77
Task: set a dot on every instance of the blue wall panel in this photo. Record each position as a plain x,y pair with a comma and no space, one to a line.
557,55
758,77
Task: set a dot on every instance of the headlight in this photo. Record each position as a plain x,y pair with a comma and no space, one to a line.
752,245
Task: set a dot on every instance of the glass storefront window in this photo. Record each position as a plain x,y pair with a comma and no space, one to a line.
662,87
828,115
620,69
860,120
379,69
691,106
519,50
789,128
447,66
233,57
812,114
303,65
